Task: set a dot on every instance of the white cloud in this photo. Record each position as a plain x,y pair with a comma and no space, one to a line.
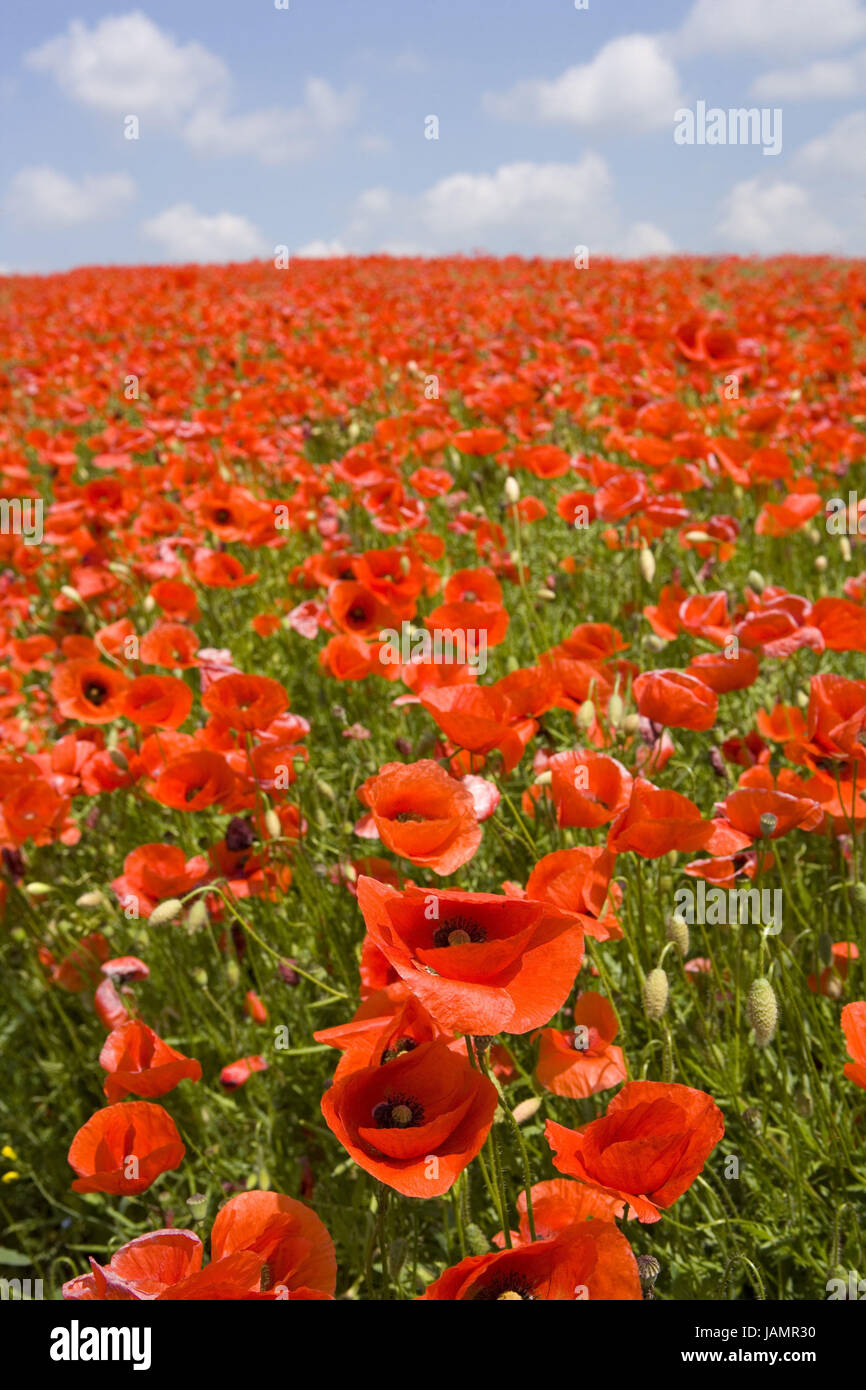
126,64
321,250
842,150
771,26
775,217
629,84
536,209
280,134
826,80
185,234
42,196
645,239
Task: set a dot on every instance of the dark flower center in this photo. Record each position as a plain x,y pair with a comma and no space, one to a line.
222,515
358,614
397,1048
460,931
398,1112
507,1287
94,693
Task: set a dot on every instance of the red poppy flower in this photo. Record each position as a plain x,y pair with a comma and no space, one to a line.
478,963
246,702
757,796
123,1149
159,701
387,1023
582,1060
423,814
237,1073
558,1204
286,1234
193,781
647,1150
590,1260
657,821
89,691
139,1063
140,1270
578,880
155,872
675,699
854,1028
723,673
588,788
414,1122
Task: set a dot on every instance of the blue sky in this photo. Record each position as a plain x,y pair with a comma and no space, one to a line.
305,127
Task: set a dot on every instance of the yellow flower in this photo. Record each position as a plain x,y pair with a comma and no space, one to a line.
8,1152
11,1176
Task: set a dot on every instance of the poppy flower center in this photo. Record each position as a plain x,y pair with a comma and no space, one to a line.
222,516
398,1112
399,1047
357,614
506,1288
94,693
458,932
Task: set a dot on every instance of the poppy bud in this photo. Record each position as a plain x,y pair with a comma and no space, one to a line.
585,716
768,824
526,1109
512,490
762,1010
37,890
860,894
272,823
756,581
166,912
656,643
199,977
233,972
677,931
94,899
287,973
820,563
615,710
845,549
544,778
547,594
326,789
631,723
197,915
647,564
476,1241
655,994
72,594
753,1119
118,759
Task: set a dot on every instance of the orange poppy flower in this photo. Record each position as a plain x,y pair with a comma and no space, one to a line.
657,821
478,963
238,1073
387,1023
676,700
193,781
123,1148
89,691
479,719
152,873
647,1149
578,880
139,1063
161,702
558,1204
414,1122
582,1061
286,1234
590,1260
756,797
723,673
588,789
246,702
423,814
854,1028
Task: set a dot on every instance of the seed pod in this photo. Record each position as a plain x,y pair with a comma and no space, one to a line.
768,824
655,994
197,1204
762,1010
166,912
677,931
647,564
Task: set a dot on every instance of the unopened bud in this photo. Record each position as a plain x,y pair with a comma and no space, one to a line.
615,710
677,931
762,1010
272,823
37,890
585,717
756,581
166,912
845,549
647,564
233,972
655,994
197,917
512,490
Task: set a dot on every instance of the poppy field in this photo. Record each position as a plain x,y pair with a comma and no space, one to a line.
433,782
